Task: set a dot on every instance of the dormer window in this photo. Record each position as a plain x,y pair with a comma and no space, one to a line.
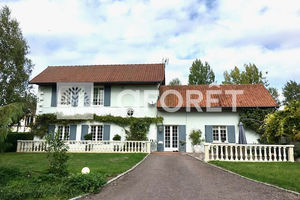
98,96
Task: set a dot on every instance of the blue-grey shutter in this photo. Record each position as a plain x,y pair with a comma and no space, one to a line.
51,129
160,138
208,133
231,134
84,131
106,132
53,96
107,91
182,137
73,130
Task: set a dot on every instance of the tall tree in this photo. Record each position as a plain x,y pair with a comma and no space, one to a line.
201,73
175,81
274,93
251,75
291,91
15,66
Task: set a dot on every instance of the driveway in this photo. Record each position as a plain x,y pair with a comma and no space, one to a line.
172,176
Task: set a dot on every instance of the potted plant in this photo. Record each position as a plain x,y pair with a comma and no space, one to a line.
88,136
117,138
195,137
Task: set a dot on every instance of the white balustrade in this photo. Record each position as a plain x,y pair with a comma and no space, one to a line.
89,146
249,152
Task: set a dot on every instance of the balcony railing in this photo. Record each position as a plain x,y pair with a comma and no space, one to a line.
88,146
249,152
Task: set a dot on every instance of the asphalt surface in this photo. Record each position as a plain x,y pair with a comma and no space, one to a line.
172,176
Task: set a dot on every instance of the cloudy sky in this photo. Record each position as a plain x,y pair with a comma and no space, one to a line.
224,33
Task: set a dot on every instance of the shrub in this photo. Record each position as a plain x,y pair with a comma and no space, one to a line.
195,137
88,136
117,137
57,155
10,143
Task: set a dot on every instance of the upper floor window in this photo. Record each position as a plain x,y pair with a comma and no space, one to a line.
64,132
97,133
73,95
219,133
98,96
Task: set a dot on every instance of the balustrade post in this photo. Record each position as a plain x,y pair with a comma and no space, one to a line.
291,153
270,153
260,155
206,152
275,154
284,153
19,146
255,153
148,147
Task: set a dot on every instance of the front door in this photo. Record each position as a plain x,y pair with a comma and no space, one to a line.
171,138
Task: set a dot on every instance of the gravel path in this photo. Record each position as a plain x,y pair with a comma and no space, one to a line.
172,176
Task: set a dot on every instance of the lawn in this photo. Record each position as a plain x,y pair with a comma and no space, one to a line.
24,175
282,174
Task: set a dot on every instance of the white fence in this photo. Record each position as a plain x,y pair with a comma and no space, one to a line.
88,146
249,152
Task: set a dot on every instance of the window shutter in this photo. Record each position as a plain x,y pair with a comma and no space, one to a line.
106,133
107,91
51,129
182,136
160,138
73,130
208,133
231,134
54,96
84,131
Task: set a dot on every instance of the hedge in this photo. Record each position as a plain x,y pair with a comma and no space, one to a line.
10,144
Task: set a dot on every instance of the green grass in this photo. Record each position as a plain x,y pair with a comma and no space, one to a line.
282,174
25,176
108,164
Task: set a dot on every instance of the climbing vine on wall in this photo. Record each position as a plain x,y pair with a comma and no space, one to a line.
135,128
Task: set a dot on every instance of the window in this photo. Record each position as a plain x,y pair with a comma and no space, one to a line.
219,133
64,132
73,95
97,133
98,96
28,120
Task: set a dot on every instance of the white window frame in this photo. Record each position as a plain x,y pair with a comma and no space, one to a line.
98,100
219,128
98,133
62,135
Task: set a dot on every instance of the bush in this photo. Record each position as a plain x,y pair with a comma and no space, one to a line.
195,137
57,155
296,149
117,137
88,136
10,143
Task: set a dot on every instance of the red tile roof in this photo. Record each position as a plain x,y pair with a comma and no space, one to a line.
130,73
253,96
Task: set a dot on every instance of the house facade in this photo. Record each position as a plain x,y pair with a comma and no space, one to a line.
139,90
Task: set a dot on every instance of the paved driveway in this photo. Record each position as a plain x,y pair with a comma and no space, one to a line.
172,176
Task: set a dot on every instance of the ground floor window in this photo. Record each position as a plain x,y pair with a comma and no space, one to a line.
64,132
219,133
97,132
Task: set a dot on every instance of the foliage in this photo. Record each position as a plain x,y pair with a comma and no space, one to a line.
117,137
182,142
10,143
88,136
291,91
195,137
175,81
15,66
282,174
138,127
10,114
57,154
296,149
251,75
201,73
283,123
253,118
274,93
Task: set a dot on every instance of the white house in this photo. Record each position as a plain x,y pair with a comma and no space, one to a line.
139,90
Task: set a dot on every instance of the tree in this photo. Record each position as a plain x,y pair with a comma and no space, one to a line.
201,73
175,81
291,91
274,93
251,75
283,123
15,66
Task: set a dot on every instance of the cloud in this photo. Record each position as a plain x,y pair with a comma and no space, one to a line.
225,34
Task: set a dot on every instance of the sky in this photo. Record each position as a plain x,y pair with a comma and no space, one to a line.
224,33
